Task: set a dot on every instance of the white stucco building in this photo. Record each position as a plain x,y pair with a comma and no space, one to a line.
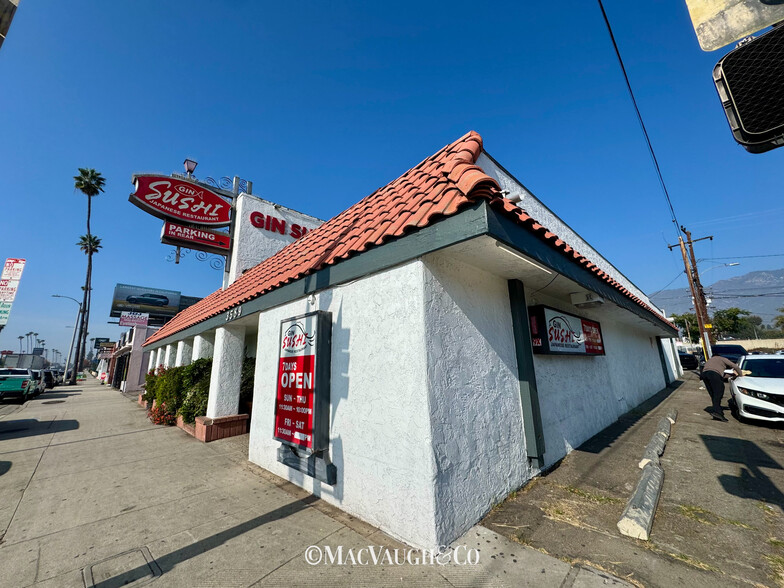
438,404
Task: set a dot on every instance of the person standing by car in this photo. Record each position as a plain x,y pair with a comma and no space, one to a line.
713,375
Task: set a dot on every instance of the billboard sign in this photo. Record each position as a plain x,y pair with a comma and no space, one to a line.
559,333
154,301
180,200
195,238
302,398
99,341
134,319
186,301
721,22
9,284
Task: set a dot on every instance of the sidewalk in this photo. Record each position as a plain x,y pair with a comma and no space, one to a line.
719,520
93,494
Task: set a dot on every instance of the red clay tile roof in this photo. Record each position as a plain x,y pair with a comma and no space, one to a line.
440,186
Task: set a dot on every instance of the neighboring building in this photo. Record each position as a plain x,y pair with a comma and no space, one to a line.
127,366
440,286
7,11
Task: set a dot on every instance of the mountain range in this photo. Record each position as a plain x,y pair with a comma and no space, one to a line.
761,293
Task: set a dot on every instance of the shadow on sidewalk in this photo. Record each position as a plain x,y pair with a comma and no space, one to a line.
48,395
752,482
19,428
608,436
168,561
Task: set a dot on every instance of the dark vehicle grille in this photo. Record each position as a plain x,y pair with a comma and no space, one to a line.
763,412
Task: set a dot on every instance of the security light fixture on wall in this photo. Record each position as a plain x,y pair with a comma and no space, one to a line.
586,299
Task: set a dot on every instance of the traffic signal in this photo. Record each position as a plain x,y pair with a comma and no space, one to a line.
750,82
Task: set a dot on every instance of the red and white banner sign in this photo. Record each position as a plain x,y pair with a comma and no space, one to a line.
302,399
13,268
171,198
9,284
134,319
557,332
195,238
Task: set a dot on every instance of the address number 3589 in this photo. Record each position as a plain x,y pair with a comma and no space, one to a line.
233,313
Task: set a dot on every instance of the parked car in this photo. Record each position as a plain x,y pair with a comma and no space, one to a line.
731,352
16,383
40,383
688,361
760,394
149,299
49,379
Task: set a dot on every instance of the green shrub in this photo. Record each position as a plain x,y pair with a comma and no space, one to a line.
150,384
195,404
246,383
169,389
196,381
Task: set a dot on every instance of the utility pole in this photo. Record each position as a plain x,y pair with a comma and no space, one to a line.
697,284
697,293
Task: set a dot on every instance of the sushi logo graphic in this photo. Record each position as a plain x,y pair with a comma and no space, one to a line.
560,331
297,339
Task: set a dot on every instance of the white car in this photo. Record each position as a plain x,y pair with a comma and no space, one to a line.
760,395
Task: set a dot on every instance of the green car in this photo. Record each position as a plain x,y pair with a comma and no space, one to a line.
16,383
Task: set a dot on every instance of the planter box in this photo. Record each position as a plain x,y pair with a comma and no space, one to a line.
142,402
208,429
190,429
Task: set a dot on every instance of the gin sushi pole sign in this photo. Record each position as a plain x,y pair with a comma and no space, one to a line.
190,209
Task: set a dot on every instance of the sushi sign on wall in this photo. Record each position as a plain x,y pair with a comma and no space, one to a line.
303,385
560,333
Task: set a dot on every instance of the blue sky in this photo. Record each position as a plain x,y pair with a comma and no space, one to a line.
320,103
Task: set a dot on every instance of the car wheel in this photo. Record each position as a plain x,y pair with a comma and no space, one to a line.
734,410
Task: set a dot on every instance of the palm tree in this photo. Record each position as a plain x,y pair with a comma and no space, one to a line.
20,337
89,244
90,183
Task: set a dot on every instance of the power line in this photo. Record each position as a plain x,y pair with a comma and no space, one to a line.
769,294
639,118
680,273
742,257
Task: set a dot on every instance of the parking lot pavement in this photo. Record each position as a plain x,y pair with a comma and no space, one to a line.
720,519
93,494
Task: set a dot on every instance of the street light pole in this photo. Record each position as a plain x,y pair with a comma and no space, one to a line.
73,337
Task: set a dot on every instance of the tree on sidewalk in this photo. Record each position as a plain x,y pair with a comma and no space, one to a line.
90,183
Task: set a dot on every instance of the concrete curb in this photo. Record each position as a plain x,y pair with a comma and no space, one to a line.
637,518
654,449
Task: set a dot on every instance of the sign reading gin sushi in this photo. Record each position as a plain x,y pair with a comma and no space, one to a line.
302,397
560,333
